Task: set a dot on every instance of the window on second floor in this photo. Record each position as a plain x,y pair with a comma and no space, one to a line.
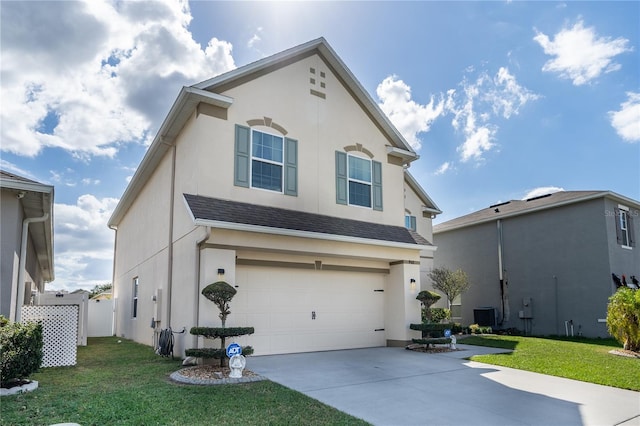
410,222
266,161
358,181
624,227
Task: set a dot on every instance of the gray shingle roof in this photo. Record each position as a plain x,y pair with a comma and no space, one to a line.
215,209
520,207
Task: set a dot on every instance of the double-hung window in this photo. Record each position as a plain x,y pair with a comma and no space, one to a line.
624,226
410,222
358,181
266,161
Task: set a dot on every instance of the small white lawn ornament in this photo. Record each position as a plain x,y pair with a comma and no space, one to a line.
237,364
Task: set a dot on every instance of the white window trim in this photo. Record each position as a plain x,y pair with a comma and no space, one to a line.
370,183
251,158
135,306
624,210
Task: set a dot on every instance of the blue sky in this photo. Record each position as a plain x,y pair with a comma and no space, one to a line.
502,100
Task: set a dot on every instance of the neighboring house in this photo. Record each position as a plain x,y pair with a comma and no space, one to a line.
27,241
285,179
544,264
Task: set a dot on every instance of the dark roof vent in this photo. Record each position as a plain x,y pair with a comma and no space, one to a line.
538,197
499,204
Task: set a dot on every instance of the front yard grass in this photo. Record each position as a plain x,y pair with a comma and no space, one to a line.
127,384
587,360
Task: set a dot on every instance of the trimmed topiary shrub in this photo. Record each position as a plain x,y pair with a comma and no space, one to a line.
20,350
221,294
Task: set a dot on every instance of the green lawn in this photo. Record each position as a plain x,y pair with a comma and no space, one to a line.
127,384
587,360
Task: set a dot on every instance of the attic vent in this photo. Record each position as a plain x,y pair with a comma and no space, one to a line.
538,197
317,84
499,204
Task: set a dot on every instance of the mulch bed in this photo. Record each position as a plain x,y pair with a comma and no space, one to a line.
624,352
211,372
431,349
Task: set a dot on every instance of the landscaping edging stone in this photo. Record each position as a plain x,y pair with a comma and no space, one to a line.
27,387
177,377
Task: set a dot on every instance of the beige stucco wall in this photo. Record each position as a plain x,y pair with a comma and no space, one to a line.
142,251
204,159
321,126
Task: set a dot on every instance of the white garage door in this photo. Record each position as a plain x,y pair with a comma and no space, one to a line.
295,310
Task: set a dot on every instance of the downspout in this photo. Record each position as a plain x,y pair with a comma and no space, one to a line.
23,263
170,245
114,317
500,268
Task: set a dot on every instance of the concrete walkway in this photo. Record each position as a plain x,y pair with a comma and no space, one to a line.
394,386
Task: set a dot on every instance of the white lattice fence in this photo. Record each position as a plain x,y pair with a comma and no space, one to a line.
60,329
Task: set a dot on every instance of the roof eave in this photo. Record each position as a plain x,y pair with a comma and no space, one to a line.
602,194
306,234
182,108
430,205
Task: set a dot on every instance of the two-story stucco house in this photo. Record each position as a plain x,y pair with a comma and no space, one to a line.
285,179
27,241
544,265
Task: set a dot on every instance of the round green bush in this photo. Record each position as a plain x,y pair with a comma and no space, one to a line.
623,318
20,350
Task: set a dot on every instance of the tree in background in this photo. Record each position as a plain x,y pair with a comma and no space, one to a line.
452,284
100,288
623,318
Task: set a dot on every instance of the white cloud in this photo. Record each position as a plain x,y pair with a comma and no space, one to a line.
255,38
580,54
409,117
626,121
98,74
542,190
83,244
506,95
444,167
475,107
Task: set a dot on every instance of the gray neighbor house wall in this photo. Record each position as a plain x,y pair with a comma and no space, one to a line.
558,253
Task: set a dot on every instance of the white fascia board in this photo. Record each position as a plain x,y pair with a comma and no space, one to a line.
187,100
419,190
25,186
306,234
405,155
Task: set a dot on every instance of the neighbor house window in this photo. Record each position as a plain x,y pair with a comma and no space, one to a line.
135,298
358,181
624,227
410,222
266,161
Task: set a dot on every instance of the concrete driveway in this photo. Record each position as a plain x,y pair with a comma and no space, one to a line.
394,386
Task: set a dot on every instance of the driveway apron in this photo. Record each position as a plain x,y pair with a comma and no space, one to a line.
394,386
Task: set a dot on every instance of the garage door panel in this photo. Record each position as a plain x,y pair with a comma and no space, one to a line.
279,305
